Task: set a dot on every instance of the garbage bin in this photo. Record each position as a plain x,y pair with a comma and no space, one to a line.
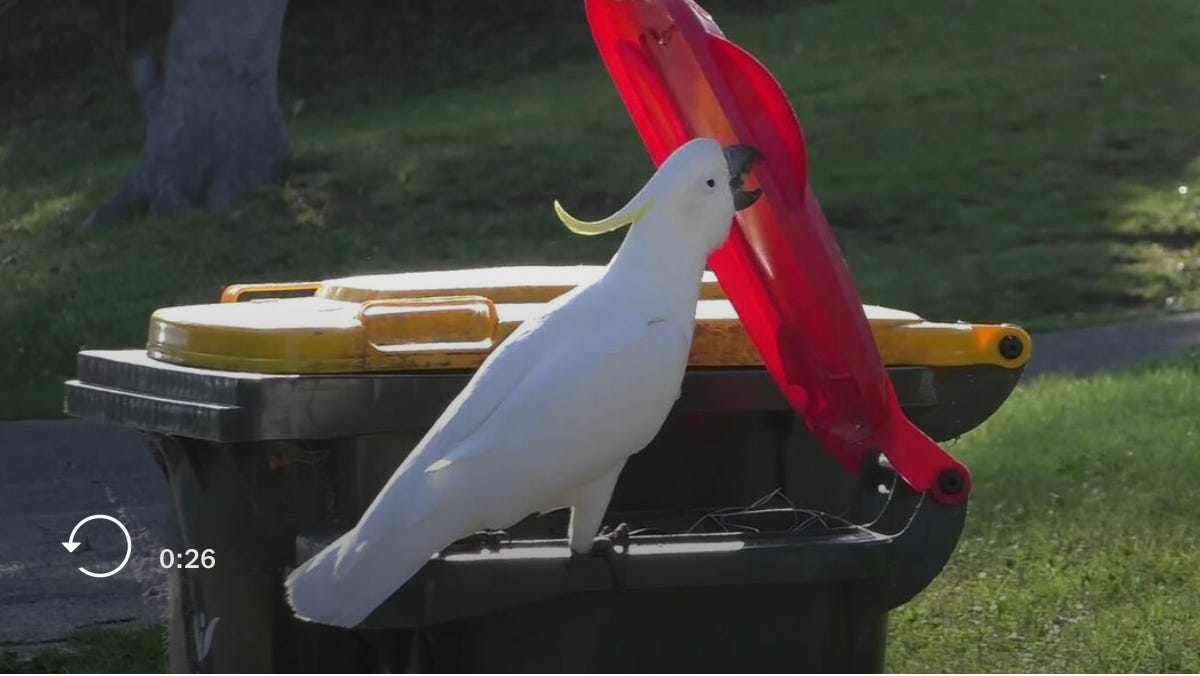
278,419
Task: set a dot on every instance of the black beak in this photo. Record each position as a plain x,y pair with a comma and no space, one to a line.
741,159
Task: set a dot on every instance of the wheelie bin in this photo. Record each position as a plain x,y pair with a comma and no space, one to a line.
278,413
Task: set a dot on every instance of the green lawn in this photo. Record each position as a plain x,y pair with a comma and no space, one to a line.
1080,551
96,651
1017,161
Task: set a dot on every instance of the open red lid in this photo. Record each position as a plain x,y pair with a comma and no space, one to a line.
781,268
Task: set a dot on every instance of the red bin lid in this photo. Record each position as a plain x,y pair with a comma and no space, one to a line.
681,78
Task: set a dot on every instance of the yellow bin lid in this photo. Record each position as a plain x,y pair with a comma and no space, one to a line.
451,319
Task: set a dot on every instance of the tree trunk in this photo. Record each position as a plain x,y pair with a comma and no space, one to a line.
214,129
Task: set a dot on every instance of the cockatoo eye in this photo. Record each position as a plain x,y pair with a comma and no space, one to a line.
710,185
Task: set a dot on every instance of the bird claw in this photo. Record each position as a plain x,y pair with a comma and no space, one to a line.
605,545
608,539
485,540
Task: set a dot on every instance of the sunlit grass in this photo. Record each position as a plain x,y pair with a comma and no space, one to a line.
1080,550
48,213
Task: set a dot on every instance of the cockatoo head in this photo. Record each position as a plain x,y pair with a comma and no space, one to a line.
695,192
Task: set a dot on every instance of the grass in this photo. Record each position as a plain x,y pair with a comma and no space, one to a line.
96,651
1080,552
1018,161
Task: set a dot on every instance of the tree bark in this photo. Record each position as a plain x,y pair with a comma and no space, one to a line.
214,128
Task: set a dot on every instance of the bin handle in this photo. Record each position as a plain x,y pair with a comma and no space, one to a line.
429,325
234,292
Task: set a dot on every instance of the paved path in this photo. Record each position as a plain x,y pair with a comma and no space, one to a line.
53,473
1085,351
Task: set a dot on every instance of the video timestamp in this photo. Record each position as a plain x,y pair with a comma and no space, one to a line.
188,558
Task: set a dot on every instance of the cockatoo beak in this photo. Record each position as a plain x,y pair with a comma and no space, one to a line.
741,159
632,212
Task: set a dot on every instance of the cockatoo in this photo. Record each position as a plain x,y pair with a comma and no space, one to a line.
551,416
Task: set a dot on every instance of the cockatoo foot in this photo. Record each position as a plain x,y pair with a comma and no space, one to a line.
608,539
489,540
605,546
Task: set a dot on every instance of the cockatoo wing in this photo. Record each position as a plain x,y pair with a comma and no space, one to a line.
607,349
561,436
609,390
495,379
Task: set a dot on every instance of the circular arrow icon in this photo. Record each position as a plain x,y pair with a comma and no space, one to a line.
72,545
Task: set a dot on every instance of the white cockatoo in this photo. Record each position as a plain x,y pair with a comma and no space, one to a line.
551,416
